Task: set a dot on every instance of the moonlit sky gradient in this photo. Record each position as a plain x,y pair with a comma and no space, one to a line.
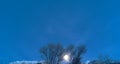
26,25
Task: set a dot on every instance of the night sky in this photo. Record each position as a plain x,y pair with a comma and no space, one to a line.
27,25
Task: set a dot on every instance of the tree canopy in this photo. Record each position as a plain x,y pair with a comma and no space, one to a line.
53,53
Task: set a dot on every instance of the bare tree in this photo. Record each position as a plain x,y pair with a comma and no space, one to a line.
52,53
102,59
77,55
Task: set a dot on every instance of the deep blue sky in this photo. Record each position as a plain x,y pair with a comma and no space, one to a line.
26,25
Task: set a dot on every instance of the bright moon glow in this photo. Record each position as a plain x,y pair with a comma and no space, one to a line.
66,58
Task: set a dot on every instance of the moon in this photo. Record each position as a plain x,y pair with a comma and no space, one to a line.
66,57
